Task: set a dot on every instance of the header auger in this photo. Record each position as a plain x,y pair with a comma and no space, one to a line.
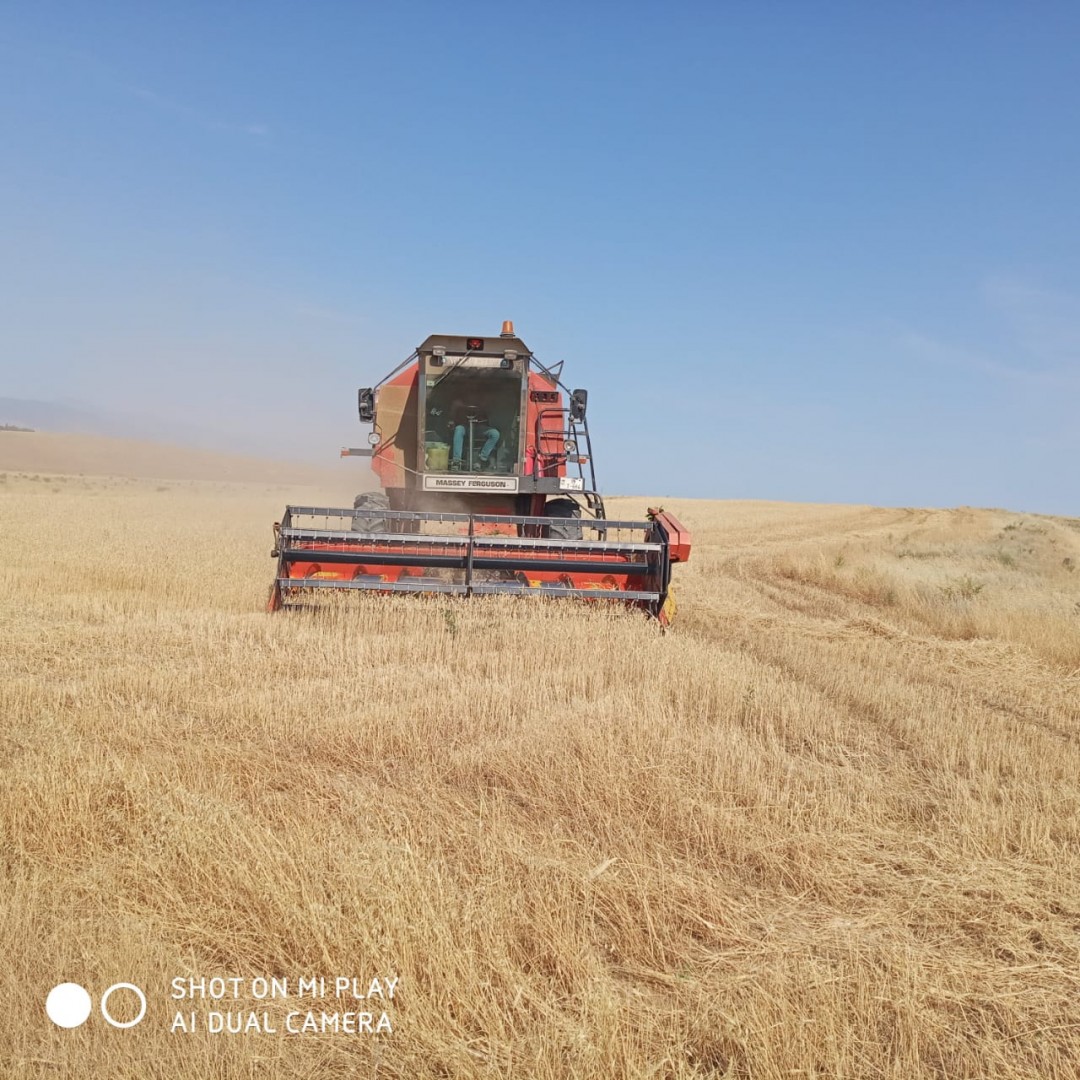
485,464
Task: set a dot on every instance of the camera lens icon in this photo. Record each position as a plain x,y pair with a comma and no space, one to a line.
69,1005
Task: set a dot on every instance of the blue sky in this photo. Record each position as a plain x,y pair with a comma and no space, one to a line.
818,252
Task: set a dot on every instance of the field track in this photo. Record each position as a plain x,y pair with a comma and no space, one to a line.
828,826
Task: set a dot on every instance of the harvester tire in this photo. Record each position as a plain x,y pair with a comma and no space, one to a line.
569,525
370,500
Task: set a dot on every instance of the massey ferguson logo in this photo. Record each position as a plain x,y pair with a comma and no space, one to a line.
470,483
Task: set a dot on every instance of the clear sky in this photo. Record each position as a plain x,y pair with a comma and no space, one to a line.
808,251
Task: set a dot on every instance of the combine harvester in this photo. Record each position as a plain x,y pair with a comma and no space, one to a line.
488,486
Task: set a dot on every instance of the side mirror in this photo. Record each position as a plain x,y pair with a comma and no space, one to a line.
366,402
578,400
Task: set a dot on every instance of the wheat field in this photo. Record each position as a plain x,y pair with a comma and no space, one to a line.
828,826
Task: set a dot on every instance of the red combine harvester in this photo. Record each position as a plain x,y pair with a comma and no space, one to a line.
485,464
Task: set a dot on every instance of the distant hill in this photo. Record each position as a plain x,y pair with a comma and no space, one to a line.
98,455
47,416
310,443
57,416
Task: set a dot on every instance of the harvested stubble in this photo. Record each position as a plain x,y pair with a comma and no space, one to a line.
829,826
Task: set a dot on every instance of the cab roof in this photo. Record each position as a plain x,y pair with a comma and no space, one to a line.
459,344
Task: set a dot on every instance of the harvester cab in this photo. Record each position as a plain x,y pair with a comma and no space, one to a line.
482,425
485,465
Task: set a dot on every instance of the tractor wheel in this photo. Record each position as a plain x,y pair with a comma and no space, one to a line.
569,525
370,500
